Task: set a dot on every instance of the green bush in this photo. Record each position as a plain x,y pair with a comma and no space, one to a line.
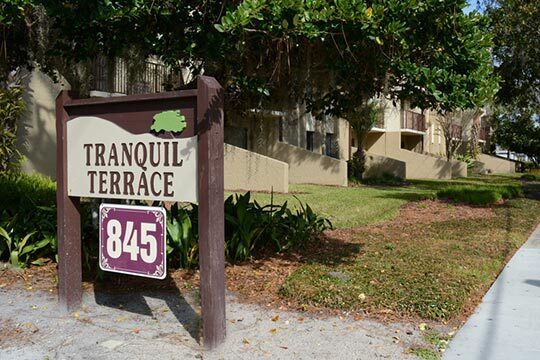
182,236
250,226
27,218
468,159
480,195
530,177
356,166
12,106
28,225
386,179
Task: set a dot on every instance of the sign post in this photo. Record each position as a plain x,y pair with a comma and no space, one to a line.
166,146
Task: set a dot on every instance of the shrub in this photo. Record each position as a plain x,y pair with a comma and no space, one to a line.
11,108
28,225
250,226
480,195
182,236
356,166
28,206
468,159
386,179
529,177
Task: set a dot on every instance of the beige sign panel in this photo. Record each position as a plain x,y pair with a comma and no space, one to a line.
106,161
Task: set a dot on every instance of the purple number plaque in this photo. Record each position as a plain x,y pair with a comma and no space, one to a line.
132,240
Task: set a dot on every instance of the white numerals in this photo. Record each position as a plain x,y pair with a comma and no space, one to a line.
149,254
130,244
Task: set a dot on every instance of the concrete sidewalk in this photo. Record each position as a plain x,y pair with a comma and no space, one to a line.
506,325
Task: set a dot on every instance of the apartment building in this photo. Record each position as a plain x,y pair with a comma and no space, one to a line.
410,143
264,150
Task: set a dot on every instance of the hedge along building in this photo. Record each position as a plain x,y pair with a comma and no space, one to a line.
264,151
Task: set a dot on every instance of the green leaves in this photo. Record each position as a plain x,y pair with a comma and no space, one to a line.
19,250
12,106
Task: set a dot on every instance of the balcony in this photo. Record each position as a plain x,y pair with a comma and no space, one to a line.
456,131
482,135
116,76
413,122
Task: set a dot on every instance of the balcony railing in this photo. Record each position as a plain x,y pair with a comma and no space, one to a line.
115,76
456,131
413,121
482,134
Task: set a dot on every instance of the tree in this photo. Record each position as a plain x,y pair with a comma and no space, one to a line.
519,131
333,56
362,120
516,52
429,52
21,42
453,124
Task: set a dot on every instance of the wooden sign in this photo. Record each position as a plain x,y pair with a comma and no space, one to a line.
166,146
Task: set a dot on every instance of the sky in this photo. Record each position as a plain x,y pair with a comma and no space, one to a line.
473,4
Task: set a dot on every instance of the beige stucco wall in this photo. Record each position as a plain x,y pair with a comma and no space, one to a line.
377,165
420,166
495,165
306,167
36,137
246,170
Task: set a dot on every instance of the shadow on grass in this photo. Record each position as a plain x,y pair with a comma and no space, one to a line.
326,250
128,294
333,251
532,190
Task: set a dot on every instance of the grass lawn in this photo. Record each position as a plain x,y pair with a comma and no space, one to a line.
363,205
434,269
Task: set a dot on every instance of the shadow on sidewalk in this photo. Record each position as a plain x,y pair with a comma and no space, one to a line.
128,294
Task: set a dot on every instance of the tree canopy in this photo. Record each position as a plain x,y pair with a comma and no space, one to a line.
332,55
516,52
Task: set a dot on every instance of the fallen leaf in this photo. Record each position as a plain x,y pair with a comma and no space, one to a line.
422,326
246,341
362,297
76,315
273,331
136,330
275,318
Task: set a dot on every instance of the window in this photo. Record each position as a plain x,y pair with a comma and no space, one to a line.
309,140
329,145
280,130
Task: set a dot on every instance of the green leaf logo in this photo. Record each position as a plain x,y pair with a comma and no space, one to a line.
171,120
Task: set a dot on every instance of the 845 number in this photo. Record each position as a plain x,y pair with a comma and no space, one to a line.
126,241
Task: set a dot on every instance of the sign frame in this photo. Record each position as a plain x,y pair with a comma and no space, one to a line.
203,108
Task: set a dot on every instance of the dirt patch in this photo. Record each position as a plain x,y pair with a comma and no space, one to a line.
13,334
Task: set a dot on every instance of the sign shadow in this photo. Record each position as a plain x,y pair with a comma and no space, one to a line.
122,293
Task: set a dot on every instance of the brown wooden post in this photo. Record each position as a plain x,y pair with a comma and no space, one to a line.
68,218
211,210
